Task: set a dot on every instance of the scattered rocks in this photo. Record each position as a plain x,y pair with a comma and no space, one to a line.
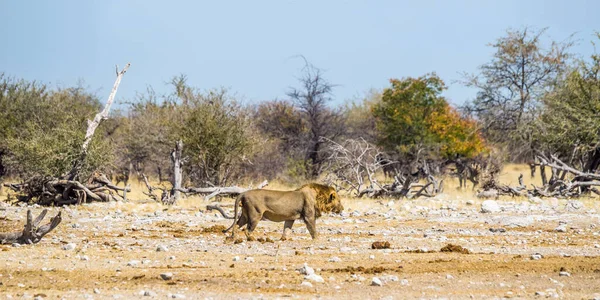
490,206
376,282
161,248
497,229
470,202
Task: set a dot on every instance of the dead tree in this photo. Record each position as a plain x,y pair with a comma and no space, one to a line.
352,165
92,125
565,181
171,195
32,233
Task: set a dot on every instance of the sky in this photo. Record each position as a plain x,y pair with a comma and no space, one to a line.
252,47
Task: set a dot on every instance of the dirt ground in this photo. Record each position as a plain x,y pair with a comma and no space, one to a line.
115,252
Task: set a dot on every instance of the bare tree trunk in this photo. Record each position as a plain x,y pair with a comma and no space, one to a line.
176,159
92,125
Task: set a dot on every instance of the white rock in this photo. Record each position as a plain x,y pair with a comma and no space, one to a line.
470,202
96,291
150,294
162,248
371,257
178,296
85,257
133,263
404,282
536,256
236,258
490,206
561,228
306,284
564,273
376,282
574,205
314,277
335,259
69,246
448,276
166,276
306,270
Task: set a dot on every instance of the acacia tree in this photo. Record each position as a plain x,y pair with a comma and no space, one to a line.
312,100
511,85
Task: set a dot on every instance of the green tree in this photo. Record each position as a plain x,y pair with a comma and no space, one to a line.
42,130
570,123
413,115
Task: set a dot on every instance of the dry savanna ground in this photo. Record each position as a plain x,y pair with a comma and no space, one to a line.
529,249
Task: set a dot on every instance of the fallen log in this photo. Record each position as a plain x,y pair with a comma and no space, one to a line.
31,234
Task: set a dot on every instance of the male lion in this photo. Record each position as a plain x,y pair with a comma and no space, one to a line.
306,203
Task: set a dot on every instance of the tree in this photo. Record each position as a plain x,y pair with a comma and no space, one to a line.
569,125
42,129
214,129
321,121
360,122
511,85
413,116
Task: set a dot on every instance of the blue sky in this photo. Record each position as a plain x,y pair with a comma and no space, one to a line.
249,46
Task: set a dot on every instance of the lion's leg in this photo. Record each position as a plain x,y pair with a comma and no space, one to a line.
311,226
254,217
287,225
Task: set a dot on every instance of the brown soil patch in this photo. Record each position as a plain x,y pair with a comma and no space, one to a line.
380,245
455,248
214,229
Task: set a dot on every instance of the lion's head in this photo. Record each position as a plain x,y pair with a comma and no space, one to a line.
327,199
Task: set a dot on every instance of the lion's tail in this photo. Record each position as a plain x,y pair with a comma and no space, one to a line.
235,214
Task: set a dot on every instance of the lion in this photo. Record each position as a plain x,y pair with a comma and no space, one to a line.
308,203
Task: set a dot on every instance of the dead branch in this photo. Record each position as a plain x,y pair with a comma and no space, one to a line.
211,192
31,234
